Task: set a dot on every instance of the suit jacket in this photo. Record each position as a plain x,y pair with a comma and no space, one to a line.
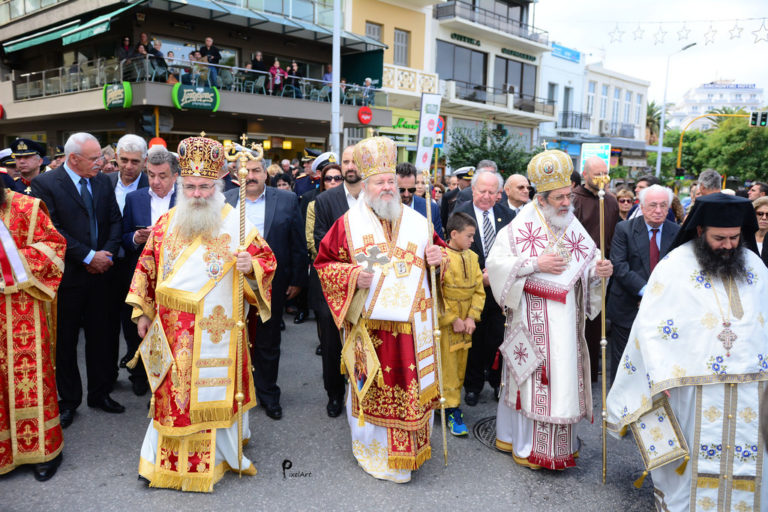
630,255
501,217
143,179
329,206
420,205
137,212
283,231
69,216
764,254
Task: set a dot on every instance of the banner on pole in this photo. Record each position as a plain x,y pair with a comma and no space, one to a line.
428,126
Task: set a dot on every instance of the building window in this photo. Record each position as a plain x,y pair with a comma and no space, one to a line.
591,89
616,100
639,109
603,101
515,77
695,108
466,67
551,93
373,30
402,43
628,107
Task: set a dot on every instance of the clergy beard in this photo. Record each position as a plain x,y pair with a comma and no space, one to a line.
554,218
198,216
722,263
387,209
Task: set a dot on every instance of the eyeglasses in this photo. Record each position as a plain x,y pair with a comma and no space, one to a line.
202,188
329,179
91,158
410,190
656,206
625,200
762,214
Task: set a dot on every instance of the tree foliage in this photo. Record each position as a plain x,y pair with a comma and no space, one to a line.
469,146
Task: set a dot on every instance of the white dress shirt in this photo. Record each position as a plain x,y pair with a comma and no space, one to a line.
254,211
479,219
123,190
159,205
351,200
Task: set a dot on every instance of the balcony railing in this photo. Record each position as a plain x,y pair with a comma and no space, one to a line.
502,98
574,121
465,10
95,74
616,129
409,80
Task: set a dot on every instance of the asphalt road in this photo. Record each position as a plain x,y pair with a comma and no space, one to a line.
101,454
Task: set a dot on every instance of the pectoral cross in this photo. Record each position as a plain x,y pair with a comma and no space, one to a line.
372,256
727,337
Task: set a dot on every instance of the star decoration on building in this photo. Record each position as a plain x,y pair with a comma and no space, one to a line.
761,34
736,31
616,34
638,33
709,35
659,36
682,34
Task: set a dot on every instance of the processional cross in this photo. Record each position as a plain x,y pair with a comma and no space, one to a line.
372,257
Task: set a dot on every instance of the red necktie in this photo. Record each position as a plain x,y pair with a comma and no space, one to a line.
654,248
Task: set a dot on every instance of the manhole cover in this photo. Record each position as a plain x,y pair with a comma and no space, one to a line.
485,431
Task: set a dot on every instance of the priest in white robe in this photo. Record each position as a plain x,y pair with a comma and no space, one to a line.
545,272
699,344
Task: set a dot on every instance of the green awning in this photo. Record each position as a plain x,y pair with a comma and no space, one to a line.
40,37
96,26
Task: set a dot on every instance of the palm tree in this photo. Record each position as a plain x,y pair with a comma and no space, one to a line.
723,110
652,121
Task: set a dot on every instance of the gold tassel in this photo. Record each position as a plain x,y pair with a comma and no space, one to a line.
151,412
381,378
343,367
639,481
681,468
623,431
133,362
361,418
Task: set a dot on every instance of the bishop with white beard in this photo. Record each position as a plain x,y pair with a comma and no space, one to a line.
545,272
183,290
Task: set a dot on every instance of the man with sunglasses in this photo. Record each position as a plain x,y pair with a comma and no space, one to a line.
406,184
517,189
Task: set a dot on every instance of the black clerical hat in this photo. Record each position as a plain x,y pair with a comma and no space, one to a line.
720,211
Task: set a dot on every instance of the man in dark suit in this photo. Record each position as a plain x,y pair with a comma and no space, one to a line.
142,209
637,246
406,183
83,208
448,203
465,196
490,218
275,213
329,206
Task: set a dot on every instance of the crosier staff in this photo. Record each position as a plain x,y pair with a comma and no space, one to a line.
602,181
242,156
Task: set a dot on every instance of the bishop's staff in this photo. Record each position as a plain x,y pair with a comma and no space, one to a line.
242,155
602,181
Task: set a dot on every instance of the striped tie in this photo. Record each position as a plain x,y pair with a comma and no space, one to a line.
489,235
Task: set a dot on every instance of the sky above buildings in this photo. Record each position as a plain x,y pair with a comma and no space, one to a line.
635,38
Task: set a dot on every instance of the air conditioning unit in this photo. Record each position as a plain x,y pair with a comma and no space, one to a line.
604,128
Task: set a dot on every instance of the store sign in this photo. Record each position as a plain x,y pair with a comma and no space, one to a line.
404,121
603,151
364,115
117,95
464,39
518,54
566,53
197,98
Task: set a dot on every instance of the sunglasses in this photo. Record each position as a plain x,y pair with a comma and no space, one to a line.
332,178
762,214
625,200
411,190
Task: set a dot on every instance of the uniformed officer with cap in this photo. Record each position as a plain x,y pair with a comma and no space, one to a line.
304,182
464,175
29,157
8,169
58,157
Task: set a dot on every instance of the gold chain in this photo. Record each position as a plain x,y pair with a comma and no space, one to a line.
727,321
543,221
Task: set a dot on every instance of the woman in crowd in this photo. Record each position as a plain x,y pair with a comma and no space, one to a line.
283,181
421,185
626,199
273,170
277,76
761,210
437,193
294,78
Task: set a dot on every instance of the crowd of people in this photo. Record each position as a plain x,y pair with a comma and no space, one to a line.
150,237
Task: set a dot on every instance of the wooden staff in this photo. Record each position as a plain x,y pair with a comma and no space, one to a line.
602,181
243,156
435,326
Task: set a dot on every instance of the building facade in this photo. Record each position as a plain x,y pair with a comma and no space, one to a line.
717,95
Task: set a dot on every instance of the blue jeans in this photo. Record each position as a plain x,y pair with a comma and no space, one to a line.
212,76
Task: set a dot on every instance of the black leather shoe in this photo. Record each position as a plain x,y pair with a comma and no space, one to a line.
496,394
106,404
471,398
66,417
334,407
282,325
140,387
300,317
45,470
124,360
319,350
274,411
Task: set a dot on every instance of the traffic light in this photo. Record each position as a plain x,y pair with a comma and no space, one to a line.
679,173
754,118
763,119
148,124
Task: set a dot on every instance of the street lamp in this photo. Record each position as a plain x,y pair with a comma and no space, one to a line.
664,110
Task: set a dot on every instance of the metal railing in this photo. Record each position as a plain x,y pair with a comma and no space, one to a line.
465,10
501,98
625,130
574,120
411,80
94,74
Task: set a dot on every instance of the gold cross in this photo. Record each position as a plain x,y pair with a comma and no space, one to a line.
27,435
243,156
422,304
243,139
202,134
217,324
217,248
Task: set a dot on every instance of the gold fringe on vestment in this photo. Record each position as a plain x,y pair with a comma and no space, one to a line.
170,299
211,414
408,462
429,394
389,325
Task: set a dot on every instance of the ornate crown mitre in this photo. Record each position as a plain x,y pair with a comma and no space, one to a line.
550,170
375,155
200,157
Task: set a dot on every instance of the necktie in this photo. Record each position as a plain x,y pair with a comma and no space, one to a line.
654,248
489,235
88,200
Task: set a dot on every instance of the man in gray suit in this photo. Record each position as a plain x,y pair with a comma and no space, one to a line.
637,246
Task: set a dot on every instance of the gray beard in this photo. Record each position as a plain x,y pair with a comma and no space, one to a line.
387,210
556,221
199,217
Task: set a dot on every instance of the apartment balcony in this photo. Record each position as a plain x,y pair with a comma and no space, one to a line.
616,129
498,104
404,86
573,121
484,24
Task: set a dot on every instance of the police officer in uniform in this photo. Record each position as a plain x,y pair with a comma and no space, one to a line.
29,158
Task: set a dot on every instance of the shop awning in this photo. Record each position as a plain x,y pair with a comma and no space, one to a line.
96,26
39,37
